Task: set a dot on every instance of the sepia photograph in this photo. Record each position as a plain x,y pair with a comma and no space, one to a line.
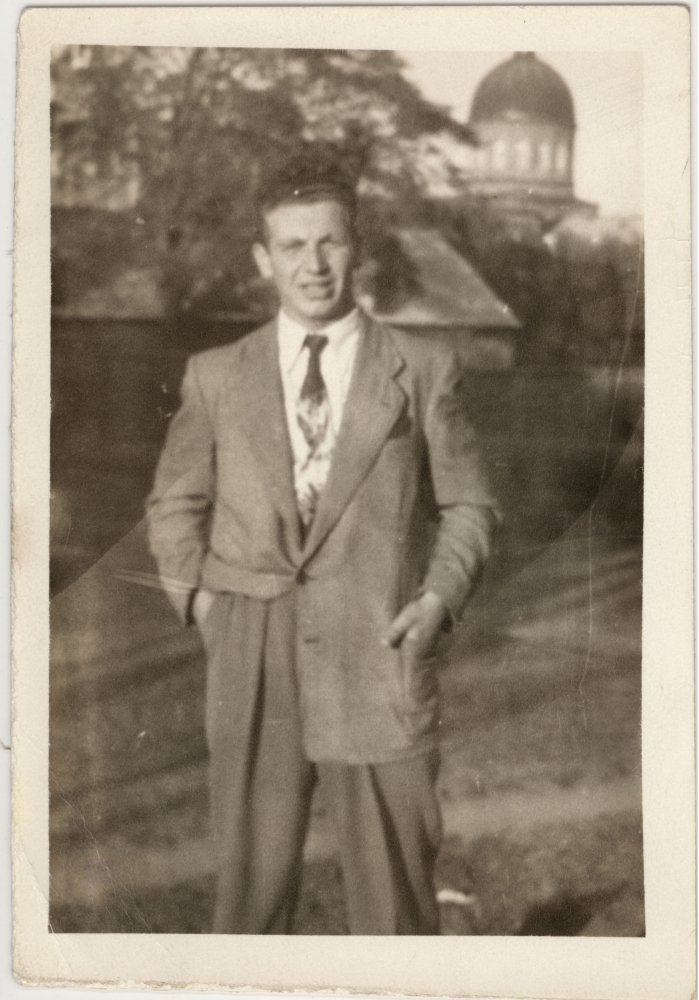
341,325
348,624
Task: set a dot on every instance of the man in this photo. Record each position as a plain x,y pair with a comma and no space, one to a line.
293,518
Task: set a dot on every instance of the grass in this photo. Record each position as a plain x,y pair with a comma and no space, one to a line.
559,879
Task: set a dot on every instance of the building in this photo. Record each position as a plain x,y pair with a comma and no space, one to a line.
453,302
523,117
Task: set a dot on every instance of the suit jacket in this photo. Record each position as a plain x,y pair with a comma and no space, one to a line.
405,509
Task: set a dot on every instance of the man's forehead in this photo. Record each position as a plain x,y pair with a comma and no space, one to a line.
307,216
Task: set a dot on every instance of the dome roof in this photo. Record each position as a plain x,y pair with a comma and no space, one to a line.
524,87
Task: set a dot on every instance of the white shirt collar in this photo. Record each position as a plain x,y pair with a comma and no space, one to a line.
292,335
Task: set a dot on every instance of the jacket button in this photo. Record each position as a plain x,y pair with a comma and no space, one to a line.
302,576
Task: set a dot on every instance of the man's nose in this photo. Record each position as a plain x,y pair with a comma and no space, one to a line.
315,260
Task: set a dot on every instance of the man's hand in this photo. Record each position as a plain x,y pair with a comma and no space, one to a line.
418,624
201,605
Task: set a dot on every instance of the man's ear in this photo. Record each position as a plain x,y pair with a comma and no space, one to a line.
261,257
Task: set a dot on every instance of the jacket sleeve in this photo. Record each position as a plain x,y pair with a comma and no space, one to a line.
467,511
179,506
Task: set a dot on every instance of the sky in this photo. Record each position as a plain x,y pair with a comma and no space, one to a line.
607,89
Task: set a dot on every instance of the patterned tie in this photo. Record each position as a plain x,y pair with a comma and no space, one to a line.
313,416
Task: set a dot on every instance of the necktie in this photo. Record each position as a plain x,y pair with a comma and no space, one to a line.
313,416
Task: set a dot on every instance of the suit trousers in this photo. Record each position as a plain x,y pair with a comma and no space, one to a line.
387,816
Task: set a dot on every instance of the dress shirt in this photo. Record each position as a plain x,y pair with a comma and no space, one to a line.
336,365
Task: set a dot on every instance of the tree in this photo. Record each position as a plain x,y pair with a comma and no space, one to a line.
179,135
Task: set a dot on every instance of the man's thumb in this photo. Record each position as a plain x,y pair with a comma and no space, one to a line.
399,627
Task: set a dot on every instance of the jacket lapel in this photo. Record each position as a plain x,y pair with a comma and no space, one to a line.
374,403
258,400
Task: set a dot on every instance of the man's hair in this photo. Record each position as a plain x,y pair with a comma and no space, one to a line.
306,177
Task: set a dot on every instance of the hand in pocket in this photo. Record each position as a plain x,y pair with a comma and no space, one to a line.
415,632
201,606
416,628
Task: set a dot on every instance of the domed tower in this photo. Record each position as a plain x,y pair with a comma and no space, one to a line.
523,117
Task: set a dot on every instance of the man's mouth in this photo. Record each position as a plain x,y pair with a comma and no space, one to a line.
318,289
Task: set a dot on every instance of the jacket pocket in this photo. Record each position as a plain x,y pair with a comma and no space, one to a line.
419,689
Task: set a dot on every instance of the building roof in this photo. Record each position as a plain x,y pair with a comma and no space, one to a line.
452,293
523,87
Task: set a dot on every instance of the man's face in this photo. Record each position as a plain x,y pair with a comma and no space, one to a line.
309,255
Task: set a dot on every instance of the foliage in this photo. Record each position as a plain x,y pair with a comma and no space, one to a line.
578,293
180,136
604,261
